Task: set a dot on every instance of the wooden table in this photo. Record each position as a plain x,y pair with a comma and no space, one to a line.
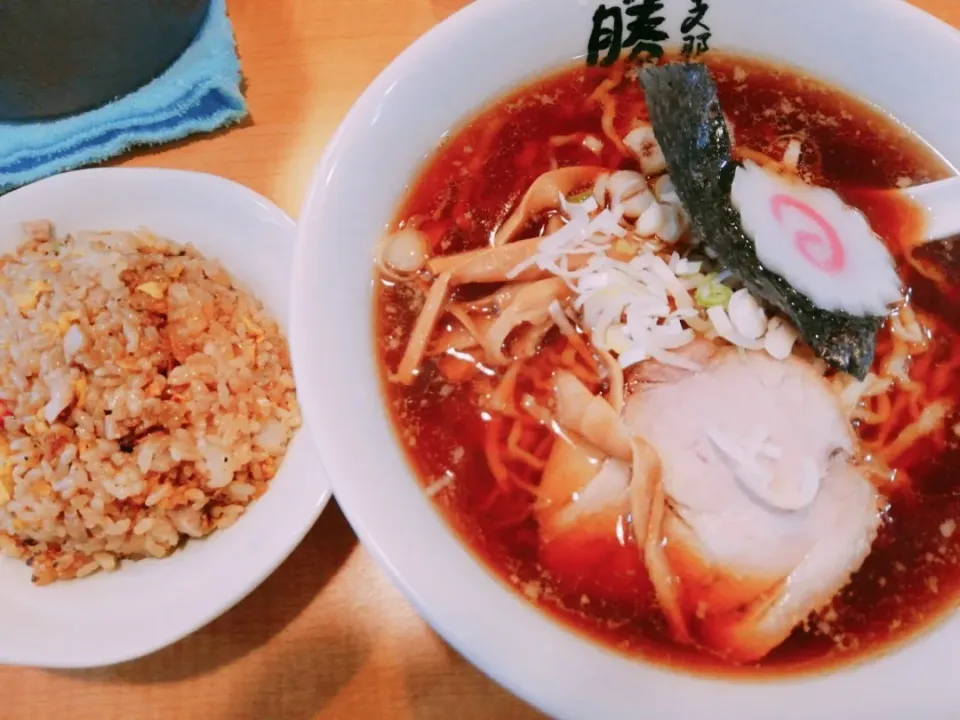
326,636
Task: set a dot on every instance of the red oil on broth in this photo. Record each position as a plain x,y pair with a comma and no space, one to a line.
600,587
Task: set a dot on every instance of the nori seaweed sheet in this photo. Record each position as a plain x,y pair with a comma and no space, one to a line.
689,125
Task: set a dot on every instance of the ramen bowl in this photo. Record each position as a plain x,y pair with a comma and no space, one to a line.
379,151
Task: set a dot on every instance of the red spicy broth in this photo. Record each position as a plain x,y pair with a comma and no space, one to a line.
601,588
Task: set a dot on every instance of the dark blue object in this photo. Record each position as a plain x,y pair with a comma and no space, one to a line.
59,57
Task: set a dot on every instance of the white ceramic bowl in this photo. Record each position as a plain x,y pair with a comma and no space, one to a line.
143,606
882,50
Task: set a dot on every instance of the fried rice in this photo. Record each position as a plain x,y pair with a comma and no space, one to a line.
144,399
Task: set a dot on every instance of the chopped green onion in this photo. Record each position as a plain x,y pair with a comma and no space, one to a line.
712,293
580,196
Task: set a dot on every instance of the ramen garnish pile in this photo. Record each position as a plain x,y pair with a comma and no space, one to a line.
675,368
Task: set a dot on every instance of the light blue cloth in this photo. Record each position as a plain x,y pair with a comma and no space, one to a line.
198,93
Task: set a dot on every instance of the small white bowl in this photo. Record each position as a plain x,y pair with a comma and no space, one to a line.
885,51
145,605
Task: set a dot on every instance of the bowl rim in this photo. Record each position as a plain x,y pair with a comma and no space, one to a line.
113,653
492,658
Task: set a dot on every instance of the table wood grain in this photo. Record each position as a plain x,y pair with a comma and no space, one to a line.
326,636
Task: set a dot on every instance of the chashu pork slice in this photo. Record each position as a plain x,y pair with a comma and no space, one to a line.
765,516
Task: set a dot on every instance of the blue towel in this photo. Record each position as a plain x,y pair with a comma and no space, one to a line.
198,93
